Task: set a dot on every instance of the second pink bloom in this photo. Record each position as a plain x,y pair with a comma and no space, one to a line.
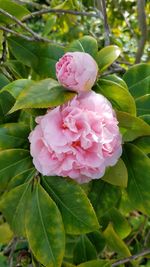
78,139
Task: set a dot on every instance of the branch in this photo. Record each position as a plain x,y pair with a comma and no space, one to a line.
143,29
35,36
5,13
115,69
16,33
134,257
124,62
106,26
60,11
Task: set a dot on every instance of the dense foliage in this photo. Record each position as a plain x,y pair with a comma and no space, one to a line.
54,221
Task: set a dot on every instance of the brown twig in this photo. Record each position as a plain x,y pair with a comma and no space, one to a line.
3,28
147,238
35,36
133,257
60,11
143,29
114,70
28,38
9,250
138,231
106,26
124,62
18,22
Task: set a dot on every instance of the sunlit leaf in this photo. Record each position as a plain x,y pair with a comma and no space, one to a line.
116,79
48,94
107,55
120,98
132,127
138,79
85,44
15,88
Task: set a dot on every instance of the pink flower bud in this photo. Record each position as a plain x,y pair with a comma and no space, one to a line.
77,71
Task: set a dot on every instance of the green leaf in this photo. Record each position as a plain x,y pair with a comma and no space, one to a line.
22,178
6,103
85,44
15,88
145,118
119,222
23,51
138,79
143,143
71,240
66,264
48,94
14,9
5,233
13,162
138,165
116,79
103,197
13,135
50,23
3,80
115,243
73,205
117,175
13,207
118,95
3,261
96,263
44,228
41,57
97,240
107,56
143,105
18,69
132,127
84,250
66,4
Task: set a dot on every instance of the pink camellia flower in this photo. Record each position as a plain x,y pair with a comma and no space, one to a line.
78,139
77,71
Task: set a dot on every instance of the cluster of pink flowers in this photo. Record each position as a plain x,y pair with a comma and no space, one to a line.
80,138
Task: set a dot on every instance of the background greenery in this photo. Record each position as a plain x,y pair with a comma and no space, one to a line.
52,221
